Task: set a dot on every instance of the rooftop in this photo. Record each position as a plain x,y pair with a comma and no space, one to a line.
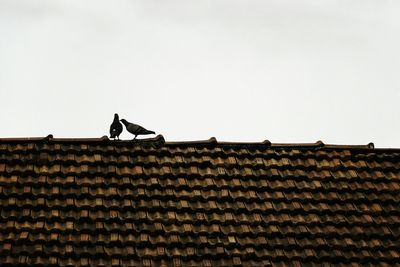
148,202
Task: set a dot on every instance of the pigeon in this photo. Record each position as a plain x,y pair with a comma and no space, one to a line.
135,129
116,127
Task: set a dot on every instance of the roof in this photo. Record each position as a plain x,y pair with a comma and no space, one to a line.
78,202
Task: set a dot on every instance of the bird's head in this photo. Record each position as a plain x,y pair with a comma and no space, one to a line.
116,116
124,121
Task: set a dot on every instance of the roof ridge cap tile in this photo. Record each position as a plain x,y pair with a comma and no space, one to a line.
211,140
318,144
22,139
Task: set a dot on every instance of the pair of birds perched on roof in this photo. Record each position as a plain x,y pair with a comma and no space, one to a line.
116,128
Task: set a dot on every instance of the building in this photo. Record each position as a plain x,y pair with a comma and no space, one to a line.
79,202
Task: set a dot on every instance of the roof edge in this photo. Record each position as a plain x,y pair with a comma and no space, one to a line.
159,140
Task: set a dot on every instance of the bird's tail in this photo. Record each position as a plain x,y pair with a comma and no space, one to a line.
150,132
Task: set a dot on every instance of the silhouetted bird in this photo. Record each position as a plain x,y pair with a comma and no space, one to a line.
135,129
116,127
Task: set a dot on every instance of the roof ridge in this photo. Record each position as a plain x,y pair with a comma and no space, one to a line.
159,139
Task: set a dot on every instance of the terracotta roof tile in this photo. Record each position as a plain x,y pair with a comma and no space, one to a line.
85,202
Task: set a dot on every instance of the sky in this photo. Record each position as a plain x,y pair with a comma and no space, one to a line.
238,70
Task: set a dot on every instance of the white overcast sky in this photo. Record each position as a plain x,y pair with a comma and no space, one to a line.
287,71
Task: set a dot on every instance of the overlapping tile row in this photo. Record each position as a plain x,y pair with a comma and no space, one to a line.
106,203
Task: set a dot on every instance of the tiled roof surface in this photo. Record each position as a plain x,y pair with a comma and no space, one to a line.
78,202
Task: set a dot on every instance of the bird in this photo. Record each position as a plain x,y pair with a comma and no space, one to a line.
135,129
116,127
